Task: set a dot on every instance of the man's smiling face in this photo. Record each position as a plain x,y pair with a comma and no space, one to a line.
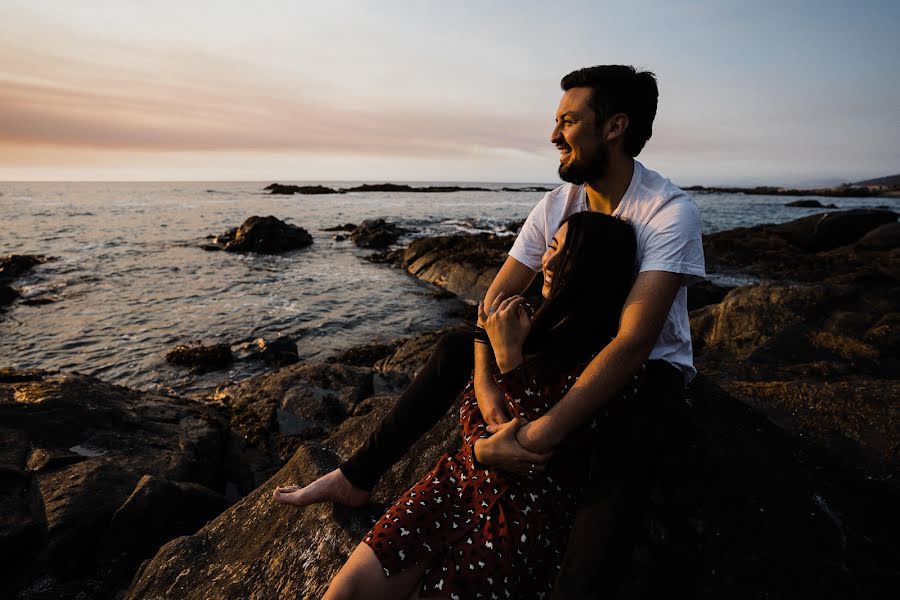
583,155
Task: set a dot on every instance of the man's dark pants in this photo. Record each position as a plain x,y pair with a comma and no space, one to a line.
622,456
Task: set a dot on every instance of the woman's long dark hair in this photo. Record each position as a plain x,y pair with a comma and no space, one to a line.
594,276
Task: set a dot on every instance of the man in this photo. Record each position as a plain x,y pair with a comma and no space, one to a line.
603,121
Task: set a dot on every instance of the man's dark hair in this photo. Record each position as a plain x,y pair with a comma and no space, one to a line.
620,89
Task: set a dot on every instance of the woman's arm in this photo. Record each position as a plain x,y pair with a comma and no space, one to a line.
513,278
507,323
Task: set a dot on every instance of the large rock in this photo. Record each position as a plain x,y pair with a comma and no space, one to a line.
830,230
278,188
819,358
809,203
729,488
463,264
73,450
264,235
812,248
377,234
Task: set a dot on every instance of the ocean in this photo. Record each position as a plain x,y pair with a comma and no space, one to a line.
129,280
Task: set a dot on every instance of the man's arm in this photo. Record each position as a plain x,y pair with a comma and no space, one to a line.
643,317
513,278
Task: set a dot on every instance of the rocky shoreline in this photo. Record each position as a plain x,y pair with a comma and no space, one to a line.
781,482
279,188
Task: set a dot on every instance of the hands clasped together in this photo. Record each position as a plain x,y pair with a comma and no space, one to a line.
507,323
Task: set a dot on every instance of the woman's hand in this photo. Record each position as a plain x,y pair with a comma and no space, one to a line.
502,451
507,323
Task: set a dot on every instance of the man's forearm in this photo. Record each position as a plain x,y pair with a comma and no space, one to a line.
599,383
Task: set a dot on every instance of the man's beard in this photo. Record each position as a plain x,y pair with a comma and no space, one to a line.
579,172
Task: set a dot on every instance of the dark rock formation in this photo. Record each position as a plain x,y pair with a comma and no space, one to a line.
200,357
886,237
277,188
831,230
13,266
264,235
527,188
376,234
344,227
365,356
394,187
812,248
809,204
278,351
730,487
816,349
300,399
73,452
705,292
462,264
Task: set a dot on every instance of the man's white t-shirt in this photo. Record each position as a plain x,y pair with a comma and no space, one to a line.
667,226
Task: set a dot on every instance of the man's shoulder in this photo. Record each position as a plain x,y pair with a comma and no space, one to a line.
656,187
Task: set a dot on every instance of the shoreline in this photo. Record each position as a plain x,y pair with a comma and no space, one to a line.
789,418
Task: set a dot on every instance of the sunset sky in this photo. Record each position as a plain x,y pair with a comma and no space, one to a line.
793,93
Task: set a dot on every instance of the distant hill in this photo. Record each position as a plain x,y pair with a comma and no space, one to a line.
889,181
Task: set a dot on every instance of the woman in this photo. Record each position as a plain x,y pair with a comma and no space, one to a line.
464,529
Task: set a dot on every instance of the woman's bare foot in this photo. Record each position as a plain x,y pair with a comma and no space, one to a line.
333,487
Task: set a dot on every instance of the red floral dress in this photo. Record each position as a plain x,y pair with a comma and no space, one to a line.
487,533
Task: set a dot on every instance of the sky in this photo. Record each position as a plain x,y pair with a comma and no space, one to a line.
751,93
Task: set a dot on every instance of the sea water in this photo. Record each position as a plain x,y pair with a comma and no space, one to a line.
129,280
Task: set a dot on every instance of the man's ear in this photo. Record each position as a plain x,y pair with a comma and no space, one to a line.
615,127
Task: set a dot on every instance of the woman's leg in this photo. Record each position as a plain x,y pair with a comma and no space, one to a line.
363,577
428,398
601,542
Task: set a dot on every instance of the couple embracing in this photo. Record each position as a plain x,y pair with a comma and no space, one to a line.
563,409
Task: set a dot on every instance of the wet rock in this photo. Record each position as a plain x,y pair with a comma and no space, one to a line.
376,234
264,235
13,266
809,204
344,227
72,451
7,294
278,188
462,264
200,357
339,238
281,350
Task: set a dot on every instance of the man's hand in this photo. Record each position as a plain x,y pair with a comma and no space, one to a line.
502,451
507,323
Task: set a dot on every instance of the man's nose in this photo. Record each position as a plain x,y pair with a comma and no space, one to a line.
555,135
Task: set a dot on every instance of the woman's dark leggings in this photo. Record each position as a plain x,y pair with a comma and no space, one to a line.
627,443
